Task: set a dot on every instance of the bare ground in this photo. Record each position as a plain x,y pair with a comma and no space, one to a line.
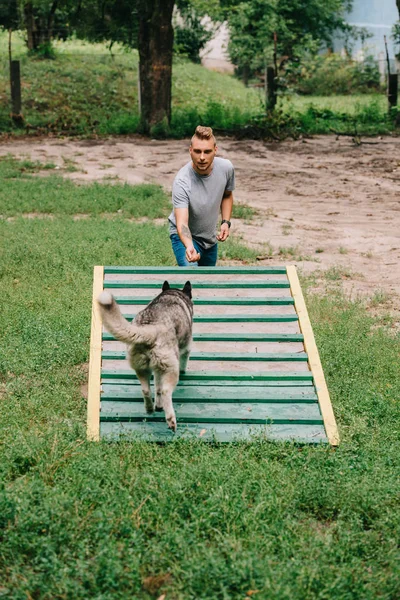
325,204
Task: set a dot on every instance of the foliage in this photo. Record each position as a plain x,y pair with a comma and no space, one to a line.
110,21
9,14
396,36
331,74
187,519
191,32
88,91
298,26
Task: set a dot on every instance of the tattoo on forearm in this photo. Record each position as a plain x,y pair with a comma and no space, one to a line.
186,232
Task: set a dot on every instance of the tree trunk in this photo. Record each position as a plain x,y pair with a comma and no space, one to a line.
156,38
39,28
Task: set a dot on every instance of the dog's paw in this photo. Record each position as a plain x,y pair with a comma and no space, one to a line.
171,422
149,406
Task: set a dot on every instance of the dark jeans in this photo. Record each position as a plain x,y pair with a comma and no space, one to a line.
208,258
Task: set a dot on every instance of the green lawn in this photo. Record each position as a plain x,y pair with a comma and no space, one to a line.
134,520
345,104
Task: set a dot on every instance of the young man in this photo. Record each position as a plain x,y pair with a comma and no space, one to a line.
201,191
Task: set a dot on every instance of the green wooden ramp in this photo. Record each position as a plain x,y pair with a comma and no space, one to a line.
254,369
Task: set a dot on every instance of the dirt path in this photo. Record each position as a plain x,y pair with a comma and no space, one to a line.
325,204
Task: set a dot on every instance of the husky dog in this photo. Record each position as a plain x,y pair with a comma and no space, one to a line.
158,342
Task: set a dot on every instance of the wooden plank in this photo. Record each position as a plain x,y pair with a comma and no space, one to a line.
181,278
307,385
93,406
250,367
226,318
158,432
223,356
225,301
144,284
249,347
261,328
235,337
236,376
212,393
313,358
197,271
302,414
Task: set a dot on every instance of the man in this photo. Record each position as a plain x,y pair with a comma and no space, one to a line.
202,189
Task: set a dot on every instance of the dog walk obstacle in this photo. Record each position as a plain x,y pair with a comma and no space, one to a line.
254,369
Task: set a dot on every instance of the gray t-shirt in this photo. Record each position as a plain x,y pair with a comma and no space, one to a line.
202,194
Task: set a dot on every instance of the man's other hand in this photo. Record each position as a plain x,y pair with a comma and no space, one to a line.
191,254
224,233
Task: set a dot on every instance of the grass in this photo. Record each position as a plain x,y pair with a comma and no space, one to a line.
53,195
88,90
190,520
350,105
243,211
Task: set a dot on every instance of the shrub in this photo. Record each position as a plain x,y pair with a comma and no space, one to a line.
331,74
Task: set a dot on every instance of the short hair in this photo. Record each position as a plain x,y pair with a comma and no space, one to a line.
204,133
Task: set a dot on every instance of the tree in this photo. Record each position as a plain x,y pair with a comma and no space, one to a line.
39,21
155,41
396,28
298,25
9,15
192,31
142,24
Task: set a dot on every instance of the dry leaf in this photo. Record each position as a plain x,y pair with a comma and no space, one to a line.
162,597
202,432
252,592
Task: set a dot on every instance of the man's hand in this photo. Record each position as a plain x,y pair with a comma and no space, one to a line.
224,233
191,254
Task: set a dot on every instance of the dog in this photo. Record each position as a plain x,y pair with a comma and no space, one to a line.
159,341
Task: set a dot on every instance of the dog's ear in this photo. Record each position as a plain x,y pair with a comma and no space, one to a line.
165,286
187,289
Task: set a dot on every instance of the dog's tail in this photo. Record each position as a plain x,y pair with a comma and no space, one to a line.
122,330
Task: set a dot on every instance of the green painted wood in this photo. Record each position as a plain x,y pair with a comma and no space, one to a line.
217,383
212,412
211,393
235,318
143,284
236,376
222,356
283,301
196,270
209,420
235,337
158,432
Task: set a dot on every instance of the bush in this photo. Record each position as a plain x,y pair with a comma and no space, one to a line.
331,74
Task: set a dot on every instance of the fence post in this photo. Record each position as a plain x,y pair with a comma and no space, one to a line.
270,82
393,81
15,81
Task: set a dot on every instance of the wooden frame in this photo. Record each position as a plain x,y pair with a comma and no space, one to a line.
94,386
313,358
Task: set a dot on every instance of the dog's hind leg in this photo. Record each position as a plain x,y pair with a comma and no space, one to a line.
144,378
183,359
168,382
157,382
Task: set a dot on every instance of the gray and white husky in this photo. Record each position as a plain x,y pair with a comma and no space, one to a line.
158,340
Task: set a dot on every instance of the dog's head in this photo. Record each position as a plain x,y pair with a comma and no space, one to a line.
187,288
